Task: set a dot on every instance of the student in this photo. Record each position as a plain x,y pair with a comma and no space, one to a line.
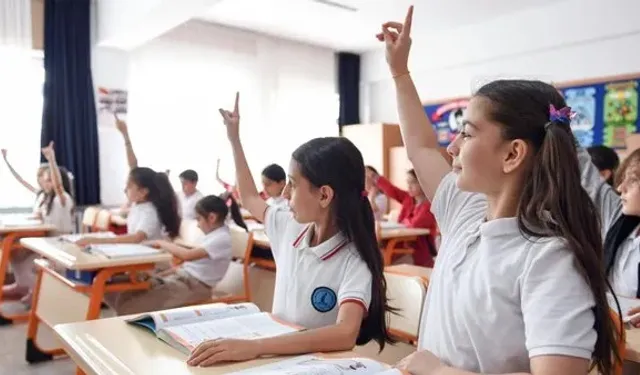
39,191
329,269
519,264
415,213
379,201
274,180
56,208
607,161
154,209
190,195
203,267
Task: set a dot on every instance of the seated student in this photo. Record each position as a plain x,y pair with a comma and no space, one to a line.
415,213
519,286
192,281
379,201
606,160
39,191
190,194
329,275
56,208
274,180
154,209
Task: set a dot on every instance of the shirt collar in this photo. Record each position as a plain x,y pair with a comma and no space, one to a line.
325,250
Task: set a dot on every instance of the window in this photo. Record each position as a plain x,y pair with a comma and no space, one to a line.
22,77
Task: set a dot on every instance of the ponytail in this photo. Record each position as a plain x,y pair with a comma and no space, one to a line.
234,210
221,206
553,203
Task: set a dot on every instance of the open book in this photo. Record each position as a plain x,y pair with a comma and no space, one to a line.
321,365
626,304
185,329
115,251
78,236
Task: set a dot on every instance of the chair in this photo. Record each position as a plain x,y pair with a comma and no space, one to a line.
406,293
89,218
103,221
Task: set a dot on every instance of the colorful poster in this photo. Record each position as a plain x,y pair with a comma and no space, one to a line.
620,112
583,103
447,119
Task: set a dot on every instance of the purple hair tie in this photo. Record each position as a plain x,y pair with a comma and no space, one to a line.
563,115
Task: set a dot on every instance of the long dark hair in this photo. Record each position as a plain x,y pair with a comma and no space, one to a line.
161,195
336,162
221,206
50,196
553,202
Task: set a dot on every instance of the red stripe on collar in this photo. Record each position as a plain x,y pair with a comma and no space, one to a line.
297,241
335,250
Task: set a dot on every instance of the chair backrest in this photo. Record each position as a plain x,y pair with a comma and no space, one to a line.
241,243
236,281
405,293
89,217
103,220
189,232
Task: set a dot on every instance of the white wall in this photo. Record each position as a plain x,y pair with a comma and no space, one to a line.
177,83
573,39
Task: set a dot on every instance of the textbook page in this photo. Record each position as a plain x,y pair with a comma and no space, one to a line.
115,251
626,304
78,236
319,365
157,320
253,326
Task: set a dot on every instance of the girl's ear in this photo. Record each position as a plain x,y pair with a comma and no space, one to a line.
212,217
326,196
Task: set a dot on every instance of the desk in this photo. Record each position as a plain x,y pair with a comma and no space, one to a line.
411,270
111,346
633,345
10,235
57,299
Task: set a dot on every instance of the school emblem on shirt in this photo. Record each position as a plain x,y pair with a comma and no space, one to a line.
323,299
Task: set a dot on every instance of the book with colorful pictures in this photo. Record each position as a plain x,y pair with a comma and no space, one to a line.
184,329
322,365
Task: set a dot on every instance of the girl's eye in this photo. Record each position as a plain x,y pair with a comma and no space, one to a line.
464,134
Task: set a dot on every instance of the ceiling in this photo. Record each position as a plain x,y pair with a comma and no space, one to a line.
317,23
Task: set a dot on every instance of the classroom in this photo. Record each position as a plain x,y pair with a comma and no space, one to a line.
329,187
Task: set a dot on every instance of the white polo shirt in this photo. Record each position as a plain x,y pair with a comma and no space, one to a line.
624,274
59,216
188,204
312,282
280,202
211,270
143,217
496,299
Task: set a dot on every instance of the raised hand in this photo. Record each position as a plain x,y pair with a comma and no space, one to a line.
4,153
232,119
48,152
121,125
397,39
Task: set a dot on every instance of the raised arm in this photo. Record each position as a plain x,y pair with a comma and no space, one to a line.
251,199
417,132
228,187
16,175
124,130
56,180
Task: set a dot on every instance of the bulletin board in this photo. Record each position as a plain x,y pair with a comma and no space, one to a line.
606,111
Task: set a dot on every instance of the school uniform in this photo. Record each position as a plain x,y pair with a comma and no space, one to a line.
61,217
414,215
188,204
312,282
192,282
619,232
38,202
143,217
280,202
497,299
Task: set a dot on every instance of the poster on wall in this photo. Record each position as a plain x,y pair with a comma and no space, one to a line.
606,113
110,102
447,119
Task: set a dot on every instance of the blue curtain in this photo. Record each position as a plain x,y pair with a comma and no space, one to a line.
69,113
349,88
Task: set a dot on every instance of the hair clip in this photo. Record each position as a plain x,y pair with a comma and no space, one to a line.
563,115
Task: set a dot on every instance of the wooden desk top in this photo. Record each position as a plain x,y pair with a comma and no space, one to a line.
73,257
633,344
410,270
12,223
111,346
260,237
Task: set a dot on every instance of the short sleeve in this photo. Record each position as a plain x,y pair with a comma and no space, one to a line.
276,223
448,202
218,247
557,304
356,284
147,222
